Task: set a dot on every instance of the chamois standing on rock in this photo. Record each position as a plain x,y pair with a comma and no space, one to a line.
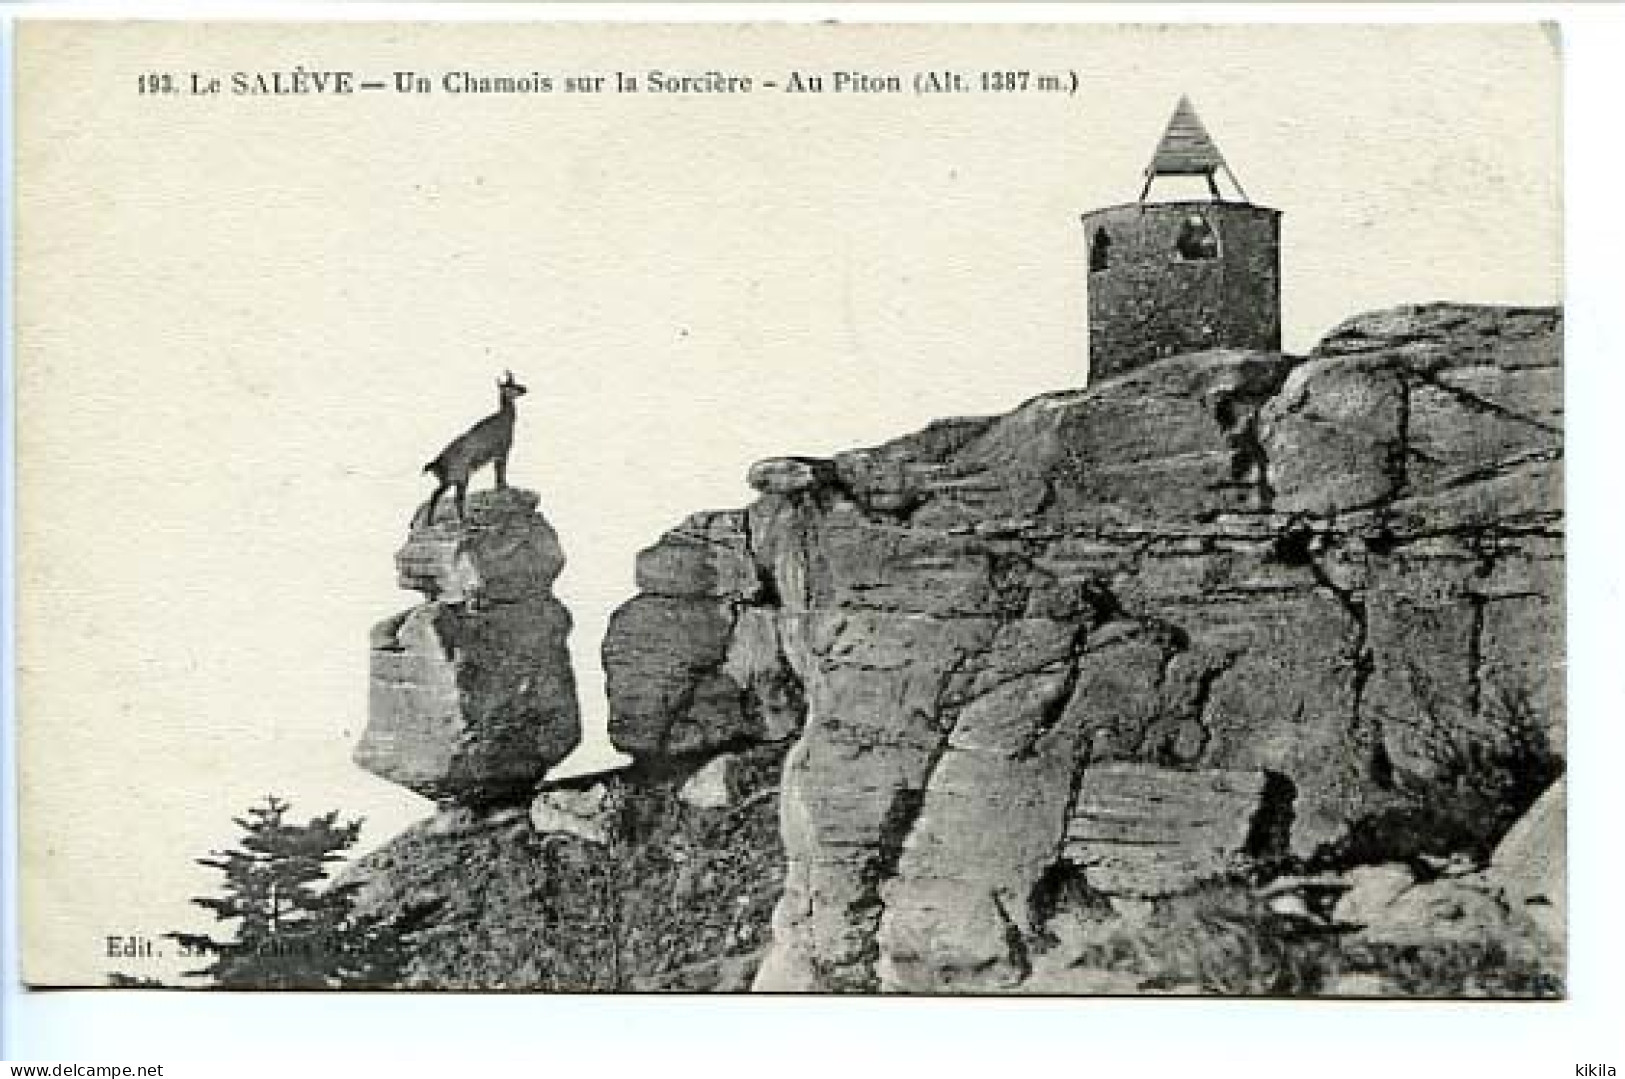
487,442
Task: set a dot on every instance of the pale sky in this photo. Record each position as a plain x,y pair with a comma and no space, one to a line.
246,323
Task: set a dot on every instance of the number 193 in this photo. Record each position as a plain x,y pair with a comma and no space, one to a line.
155,82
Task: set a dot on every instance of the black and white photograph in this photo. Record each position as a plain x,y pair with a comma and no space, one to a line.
1012,510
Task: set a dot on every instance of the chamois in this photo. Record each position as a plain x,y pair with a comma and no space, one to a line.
487,442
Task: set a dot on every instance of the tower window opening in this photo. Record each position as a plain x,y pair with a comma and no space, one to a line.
1197,240
1100,247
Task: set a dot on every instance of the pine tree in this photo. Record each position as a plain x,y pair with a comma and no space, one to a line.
294,930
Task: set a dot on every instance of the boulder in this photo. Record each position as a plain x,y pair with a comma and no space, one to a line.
789,475
1440,911
713,786
1372,890
505,552
1531,863
472,697
584,813
471,706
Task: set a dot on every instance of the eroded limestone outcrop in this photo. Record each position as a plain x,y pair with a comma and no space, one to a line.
1137,688
472,698
694,663
1142,831
660,876
1339,577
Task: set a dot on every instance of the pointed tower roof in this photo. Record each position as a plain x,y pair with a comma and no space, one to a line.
1187,149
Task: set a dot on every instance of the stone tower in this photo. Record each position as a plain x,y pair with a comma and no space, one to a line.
1171,277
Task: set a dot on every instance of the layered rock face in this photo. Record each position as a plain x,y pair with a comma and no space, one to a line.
694,662
1143,831
657,877
1228,675
1230,608
472,698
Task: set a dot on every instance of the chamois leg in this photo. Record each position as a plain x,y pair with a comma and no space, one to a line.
462,502
501,465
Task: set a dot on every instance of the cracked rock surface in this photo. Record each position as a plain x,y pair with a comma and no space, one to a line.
1229,606
1059,701
472,698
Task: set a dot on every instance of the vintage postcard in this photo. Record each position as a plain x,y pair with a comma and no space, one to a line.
929,509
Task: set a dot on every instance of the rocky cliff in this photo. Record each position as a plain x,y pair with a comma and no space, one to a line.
1234,638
